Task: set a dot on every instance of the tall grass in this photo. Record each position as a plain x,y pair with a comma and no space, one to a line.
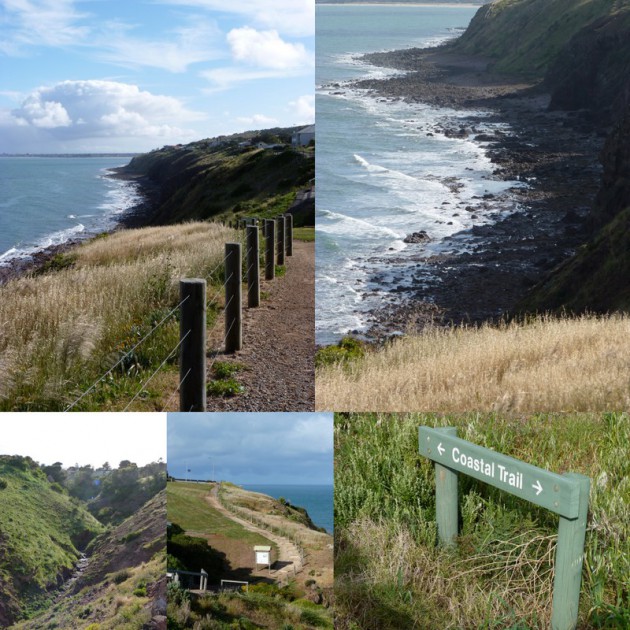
389,572
62,330
556,364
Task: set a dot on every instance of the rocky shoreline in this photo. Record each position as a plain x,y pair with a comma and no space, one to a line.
136,217
554,153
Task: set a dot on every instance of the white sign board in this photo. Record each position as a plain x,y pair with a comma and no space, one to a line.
262,557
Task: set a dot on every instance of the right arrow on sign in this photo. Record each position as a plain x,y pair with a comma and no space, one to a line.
537,487
440,448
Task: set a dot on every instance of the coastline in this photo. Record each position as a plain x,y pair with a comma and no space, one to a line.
554,153
137,216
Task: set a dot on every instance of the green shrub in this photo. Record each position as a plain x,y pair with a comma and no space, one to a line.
3,484
347,349
225,388
121,576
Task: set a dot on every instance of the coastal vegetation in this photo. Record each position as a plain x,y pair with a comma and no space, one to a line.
64,329
557,363
78,543
389,573
560,342
215,529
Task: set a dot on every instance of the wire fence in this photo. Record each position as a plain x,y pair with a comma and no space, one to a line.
192,338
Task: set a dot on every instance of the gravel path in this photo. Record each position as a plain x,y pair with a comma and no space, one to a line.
289,558
278,343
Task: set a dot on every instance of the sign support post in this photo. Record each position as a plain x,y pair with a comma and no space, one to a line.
566,495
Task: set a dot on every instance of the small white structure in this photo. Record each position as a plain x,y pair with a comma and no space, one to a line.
263,555
303,136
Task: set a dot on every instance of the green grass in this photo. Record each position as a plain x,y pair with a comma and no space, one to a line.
188,508
304,234
389,572
41,532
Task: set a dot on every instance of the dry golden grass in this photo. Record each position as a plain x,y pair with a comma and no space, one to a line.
59,327
549,364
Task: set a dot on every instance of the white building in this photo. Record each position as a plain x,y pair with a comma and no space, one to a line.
302,137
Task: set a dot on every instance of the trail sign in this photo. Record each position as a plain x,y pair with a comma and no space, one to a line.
566,495
549,490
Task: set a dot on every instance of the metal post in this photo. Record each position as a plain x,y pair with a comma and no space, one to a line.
253,274
233,298
569,558
270,249
192,334
446,499
281,239
289,220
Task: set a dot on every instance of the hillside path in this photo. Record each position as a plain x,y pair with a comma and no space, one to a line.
278,343
288,554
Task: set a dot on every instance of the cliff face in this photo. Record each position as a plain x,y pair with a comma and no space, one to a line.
578,51
224,179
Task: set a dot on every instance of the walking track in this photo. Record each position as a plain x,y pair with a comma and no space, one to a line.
278,343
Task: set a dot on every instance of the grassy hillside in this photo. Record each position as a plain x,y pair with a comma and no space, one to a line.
390,574
526,36
64,328
124,583
265,604
556,364
42,531
221,180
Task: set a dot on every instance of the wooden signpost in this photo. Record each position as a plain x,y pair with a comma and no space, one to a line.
565,495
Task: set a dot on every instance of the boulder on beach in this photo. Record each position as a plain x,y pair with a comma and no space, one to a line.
417,237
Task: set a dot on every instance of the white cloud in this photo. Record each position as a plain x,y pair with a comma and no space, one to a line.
291,17
303,108
40,23
266,49
257,120
80,110
198,41
226,78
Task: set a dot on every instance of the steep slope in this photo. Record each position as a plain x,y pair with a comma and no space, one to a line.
228,177
42,531
124,582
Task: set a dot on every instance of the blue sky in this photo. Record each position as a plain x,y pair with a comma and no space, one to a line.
255,448
111,75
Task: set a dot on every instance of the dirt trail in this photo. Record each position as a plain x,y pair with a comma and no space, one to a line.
278,343
289,558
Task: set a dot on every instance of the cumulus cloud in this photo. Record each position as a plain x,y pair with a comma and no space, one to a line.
80,110
267,49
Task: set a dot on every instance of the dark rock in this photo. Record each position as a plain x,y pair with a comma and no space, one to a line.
417,237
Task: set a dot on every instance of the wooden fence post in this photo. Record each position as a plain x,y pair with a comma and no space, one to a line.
270,249
446,511
253,274
289,220
281,239
233,298
192,334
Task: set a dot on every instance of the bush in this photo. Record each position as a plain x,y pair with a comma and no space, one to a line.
348,349
121,576
3,484
225,388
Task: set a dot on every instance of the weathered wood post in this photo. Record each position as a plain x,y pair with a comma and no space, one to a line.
233,298
446,499
281,238
569,559
192,334
270,249
253,273
289,220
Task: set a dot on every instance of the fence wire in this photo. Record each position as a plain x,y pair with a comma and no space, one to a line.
177,389
127,354
172,352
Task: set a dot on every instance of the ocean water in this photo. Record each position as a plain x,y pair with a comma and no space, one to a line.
51,200
383,169
316,499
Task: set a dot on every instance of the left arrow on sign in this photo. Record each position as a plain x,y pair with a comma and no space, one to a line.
537,487
440,448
